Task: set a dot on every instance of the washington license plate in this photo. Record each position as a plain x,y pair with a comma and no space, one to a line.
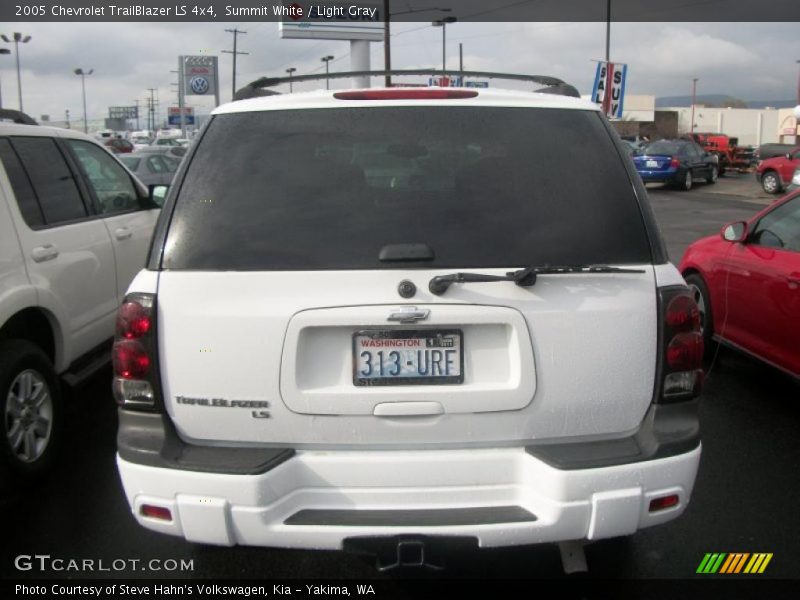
408,357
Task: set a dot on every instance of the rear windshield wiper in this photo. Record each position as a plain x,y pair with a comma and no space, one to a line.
523,277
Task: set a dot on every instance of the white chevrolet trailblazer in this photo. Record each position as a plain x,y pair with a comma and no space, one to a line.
407,314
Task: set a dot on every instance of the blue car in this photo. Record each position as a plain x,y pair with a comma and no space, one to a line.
676,162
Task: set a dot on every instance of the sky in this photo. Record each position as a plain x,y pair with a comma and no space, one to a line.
752,61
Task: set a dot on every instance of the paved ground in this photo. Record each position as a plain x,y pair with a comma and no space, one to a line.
745,499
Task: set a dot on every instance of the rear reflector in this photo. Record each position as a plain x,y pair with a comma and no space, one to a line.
156,512
663,503
407,94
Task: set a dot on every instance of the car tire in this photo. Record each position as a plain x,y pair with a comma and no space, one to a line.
30,408
687,182
771,182
713,175
699,291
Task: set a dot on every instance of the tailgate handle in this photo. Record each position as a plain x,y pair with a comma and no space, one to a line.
407,409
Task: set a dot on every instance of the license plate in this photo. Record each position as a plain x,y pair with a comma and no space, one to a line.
652,163
408,357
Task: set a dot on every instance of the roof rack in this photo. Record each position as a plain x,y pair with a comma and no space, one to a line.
16,116
553,85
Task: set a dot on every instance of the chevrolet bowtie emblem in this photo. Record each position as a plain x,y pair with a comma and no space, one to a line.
409,314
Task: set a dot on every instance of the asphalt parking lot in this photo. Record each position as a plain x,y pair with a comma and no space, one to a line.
744,499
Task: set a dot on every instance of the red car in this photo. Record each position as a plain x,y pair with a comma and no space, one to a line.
746,282
775,173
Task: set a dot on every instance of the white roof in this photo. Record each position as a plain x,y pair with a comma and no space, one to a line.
9,128
485,97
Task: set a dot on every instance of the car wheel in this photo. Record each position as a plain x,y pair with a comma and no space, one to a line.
713,175
30,406
771,182
699,292
687,182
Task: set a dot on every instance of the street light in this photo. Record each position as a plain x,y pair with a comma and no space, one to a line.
83,75
387,46
443,24
18,37
326,60
694,95
290,70
798,85
3,51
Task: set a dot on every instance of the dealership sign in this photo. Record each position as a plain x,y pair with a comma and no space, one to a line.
308,19
609,88
174,115
123,112
200,75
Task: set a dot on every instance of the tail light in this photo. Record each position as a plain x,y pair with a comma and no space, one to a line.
407,94
681,345
674,163
135,382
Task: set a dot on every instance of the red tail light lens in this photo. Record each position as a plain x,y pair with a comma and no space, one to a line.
685,352
133,320
407,94
682,345
674,163
136,385
683,314
130,359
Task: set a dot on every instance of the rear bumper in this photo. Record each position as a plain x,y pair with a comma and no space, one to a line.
660,176
500,497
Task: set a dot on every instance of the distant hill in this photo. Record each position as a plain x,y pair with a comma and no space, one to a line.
722,100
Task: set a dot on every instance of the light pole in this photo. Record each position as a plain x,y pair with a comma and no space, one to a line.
3,51
290,70
18,37
443,24
798,85
387,45
83,75
694,95
326,60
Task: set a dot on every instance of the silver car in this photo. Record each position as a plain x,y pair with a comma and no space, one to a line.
151,168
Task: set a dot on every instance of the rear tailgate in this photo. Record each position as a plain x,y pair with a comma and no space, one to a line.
571,356
293,230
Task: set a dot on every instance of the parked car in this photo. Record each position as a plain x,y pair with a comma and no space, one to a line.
176,152
152,168
746,282
74,230
765,151
168,141
676,162
140,142
118,145
315,355
776,173
795,181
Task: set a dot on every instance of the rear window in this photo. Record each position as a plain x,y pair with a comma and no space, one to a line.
329,188
667,148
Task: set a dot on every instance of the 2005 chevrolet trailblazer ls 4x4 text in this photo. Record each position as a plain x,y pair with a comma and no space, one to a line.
375,314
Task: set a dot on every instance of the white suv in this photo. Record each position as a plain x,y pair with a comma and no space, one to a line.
75,227
399,314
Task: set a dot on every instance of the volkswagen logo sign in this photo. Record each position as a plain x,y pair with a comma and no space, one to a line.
199,84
